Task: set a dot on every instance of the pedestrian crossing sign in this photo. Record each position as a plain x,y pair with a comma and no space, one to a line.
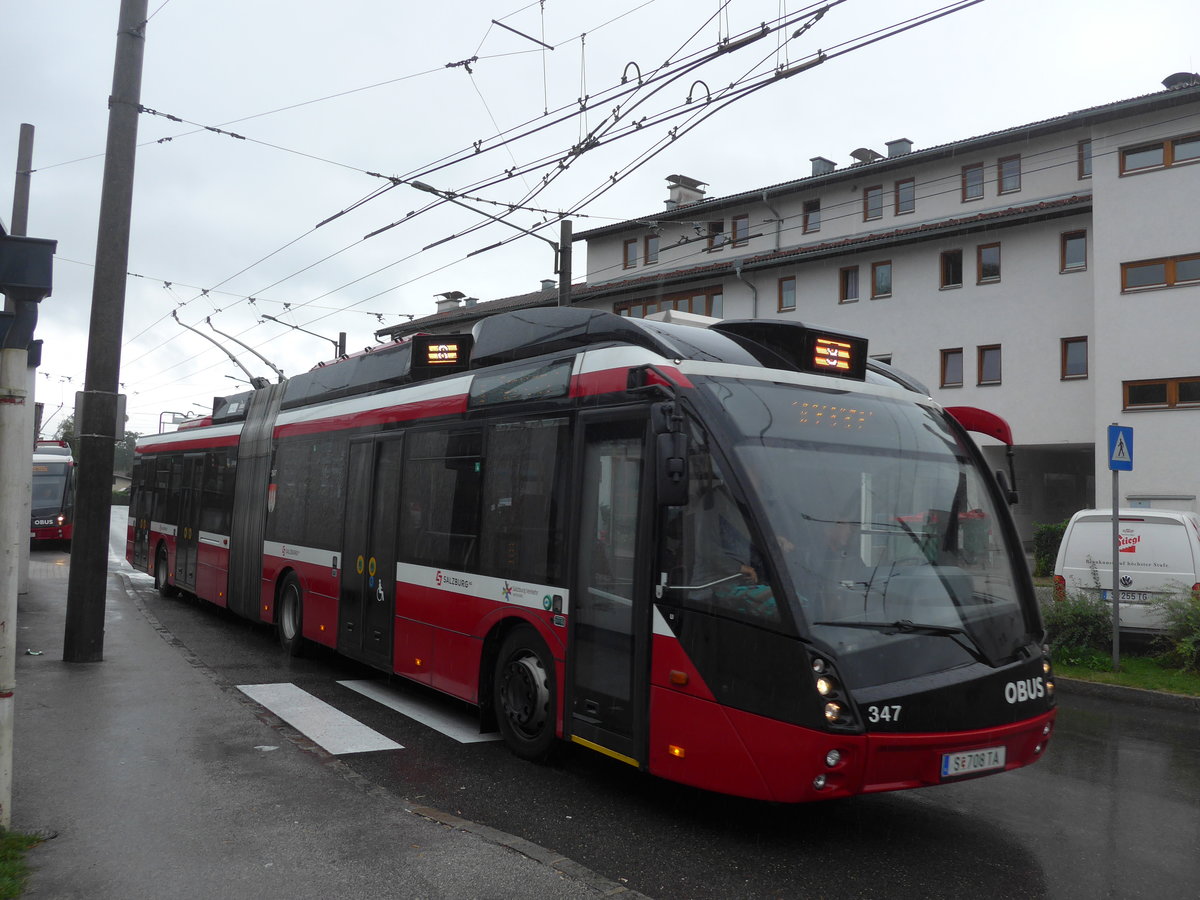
1120,448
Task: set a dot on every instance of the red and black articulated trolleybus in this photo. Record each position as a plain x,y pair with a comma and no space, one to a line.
739,556
53,502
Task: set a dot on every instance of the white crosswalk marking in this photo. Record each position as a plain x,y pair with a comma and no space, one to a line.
325,726
461,726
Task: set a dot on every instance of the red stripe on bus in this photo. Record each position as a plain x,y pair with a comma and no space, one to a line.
192,442
616,381
420,409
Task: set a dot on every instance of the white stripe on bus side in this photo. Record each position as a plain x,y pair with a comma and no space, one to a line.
502,590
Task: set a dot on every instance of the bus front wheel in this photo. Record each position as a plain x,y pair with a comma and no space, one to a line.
523,694
290,617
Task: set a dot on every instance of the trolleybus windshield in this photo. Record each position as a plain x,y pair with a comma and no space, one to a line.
885,527
49,487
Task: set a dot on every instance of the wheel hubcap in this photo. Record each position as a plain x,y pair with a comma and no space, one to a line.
526,695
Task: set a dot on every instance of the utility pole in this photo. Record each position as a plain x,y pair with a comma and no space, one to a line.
96,422
25,279
19,227
564,262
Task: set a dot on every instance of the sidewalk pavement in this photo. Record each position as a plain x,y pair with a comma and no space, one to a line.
155,783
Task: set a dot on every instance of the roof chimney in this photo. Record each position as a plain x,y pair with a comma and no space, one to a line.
684,190
899,147
1180,80
549,284
448,300
822,166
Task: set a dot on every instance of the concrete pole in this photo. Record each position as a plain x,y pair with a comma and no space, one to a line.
96,425
20,228
16,478
564,262
14,532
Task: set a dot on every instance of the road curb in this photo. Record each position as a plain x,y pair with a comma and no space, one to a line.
1156,699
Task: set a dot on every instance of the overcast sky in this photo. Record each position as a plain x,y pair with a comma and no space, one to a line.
326,93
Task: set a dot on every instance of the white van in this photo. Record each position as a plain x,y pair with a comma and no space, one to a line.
1159,555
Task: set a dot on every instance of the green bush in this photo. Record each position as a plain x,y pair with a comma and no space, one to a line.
1046,539
1181,614
1081,622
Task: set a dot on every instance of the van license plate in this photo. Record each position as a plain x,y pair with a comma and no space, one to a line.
972,761
1128,596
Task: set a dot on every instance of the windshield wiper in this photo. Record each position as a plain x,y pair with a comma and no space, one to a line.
907,626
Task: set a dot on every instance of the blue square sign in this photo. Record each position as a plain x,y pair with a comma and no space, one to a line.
1120,448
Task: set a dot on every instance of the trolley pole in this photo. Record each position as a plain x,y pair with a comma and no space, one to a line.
96,420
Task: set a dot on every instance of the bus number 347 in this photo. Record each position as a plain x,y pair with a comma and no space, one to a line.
883,713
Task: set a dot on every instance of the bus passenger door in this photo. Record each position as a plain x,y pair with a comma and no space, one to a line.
367,611
188,537
610,609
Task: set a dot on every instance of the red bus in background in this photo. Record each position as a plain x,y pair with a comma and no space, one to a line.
53,501
735,554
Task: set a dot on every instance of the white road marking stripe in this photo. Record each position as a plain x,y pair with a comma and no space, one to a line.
462,726
325,726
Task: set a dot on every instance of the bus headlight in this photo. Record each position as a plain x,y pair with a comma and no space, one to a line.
833,712
832,758
826,685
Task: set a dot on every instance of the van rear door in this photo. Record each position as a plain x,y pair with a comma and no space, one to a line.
1157,557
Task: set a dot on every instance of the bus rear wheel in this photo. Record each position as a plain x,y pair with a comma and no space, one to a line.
290,615
161,579
523,694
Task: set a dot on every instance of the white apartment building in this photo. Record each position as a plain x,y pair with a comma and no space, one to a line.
1049,273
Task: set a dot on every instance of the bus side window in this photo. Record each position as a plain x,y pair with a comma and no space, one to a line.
523,484
441,497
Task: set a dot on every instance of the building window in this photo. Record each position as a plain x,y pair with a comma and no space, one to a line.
1158,273
848,284
1008,174
1162,393
1074,357
906,196
787,294
881,279
972,182
1074,252
952,367
631,253
702,302
716,235
988,259
740,226
650,249
1084,154
812,216
1161,155
952,268
989,364
873,202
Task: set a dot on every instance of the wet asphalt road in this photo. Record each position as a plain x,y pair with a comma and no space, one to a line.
1112,810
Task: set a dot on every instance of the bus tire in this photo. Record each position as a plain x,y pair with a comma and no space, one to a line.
289,616
523,694
162,582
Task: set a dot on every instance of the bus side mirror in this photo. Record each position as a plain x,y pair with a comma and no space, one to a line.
672,469
1009,494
